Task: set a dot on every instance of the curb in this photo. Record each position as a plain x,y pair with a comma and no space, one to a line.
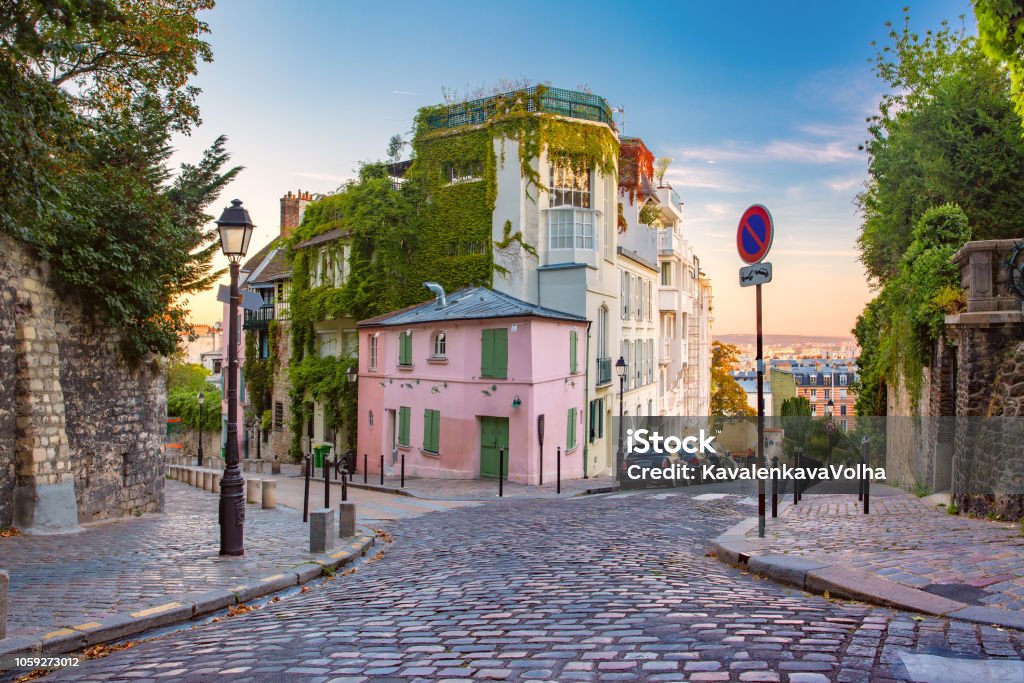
819,574
190,606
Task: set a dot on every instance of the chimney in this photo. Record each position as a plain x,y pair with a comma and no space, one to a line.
292,207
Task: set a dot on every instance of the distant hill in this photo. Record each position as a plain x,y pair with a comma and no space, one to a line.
781,339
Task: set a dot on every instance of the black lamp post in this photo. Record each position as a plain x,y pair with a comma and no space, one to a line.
235,231
199,453
352,374
620,370
830,408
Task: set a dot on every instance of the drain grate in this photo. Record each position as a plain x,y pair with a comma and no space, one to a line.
961,592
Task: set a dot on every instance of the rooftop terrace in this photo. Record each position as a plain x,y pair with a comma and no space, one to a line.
569,103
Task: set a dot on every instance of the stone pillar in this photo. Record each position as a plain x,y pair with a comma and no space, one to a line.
275,467
191,476
216,482
269,494
259,467
321,530
44,493
346,520
252,489
207,481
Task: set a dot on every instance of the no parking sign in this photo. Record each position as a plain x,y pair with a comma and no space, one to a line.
754,235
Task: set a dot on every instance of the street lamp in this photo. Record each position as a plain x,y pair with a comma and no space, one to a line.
199,454
352,374
235,232
830,408
620,370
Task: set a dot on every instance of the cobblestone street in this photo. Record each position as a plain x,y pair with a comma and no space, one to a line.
613,587
908,541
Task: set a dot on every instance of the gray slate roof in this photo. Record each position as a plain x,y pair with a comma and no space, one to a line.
473,303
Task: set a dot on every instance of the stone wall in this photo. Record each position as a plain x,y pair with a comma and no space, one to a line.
281,440
89,428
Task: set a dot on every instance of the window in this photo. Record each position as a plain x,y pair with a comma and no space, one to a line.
573,338
405,348
596,419
842,410
640,293
842,393
624,295
650,300
814,410
570,430
814,379
494,353
602,332
440,346
828,393
571,229
843,379
403,425
650,360
569,188
350,342
814,393
328,343
431,430
463,172
843,424
278,416
369,418
666,274
372,339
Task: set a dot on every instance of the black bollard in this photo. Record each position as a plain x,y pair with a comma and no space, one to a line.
344,486
775,487
381,469
866,459
797,482
365,475
327,483
305,494
558,470
403,470
501,472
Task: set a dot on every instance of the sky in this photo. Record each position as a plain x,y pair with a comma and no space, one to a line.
756,103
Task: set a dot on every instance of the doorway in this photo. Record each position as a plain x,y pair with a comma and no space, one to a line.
493,436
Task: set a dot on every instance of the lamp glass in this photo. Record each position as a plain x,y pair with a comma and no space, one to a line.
620,367
351,373
201,398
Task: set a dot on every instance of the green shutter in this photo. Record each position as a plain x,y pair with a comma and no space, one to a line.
487,354
494,353
501,353
403,425
404,349
431,430
570,430
572,351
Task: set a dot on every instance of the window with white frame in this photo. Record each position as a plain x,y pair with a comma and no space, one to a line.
570,187
328,343
666,274
349,342
843,379
571,229
372,345
602,332
440,346
624,295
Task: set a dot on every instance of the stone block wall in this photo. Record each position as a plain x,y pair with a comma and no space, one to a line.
89,427
281,441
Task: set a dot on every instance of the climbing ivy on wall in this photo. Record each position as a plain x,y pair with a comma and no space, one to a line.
259,374
434,226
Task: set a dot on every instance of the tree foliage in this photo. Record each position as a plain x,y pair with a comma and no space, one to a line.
90,92
727,397
1001,33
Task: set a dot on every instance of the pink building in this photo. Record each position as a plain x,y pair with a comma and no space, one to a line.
450,382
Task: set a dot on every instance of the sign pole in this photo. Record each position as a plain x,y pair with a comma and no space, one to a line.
760,418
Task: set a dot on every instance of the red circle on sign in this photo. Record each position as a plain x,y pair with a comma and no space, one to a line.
754,234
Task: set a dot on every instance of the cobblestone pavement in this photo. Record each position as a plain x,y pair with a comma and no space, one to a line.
906,540
114,567
610,588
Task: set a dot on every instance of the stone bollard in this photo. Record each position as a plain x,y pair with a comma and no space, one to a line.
252,490
207,481
259,467
321,530
191,477
246,464
269,494
275,467
5,582
346,520
216,482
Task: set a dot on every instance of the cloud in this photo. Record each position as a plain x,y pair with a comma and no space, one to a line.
682,175
798,151
845,184
404,92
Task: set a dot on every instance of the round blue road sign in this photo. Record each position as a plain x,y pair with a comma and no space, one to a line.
754,235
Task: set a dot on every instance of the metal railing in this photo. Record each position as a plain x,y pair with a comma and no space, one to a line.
570,103
258,319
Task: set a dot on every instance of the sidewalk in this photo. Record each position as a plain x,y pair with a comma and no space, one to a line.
482,489
124,576
904,550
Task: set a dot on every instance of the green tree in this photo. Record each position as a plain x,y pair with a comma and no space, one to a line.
187,378
1001,33
727,397
946,132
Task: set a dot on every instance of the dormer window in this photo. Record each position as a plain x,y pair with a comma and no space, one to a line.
440,346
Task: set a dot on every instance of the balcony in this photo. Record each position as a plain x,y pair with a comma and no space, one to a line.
604,371
671,204
258,319
669,300
569,103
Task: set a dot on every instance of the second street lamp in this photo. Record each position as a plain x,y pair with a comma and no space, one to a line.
620,370
235,232
199,451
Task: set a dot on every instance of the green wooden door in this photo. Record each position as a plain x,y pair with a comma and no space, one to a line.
493,435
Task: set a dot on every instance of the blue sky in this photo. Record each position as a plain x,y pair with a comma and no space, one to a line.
755,102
